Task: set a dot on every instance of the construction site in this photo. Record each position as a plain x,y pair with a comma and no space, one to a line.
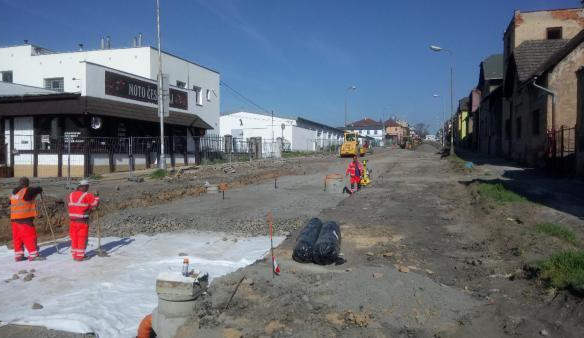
424,252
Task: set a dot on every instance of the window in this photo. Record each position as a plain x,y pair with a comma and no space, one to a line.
55,83
368,132
507,129
181,84
375,132
6,76
198,95
535,122
518,128
208,95
554,33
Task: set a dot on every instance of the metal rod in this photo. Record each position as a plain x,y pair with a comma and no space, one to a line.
272,245
49,223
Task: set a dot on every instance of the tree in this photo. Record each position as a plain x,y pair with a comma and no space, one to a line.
421,129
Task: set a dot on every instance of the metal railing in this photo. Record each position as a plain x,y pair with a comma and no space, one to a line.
75,156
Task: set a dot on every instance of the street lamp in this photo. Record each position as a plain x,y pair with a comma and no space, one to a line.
353,88
438,49
443,120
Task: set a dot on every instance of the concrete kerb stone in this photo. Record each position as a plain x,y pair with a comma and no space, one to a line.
176,302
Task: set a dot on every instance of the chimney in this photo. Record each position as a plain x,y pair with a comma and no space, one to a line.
102,43
80,47
108,42
139,39
134,42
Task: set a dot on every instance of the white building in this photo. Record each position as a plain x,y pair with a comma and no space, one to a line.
301,134
368,127
99,93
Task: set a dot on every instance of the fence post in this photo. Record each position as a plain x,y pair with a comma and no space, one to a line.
171,148
68,162
131,160
110,156
562,142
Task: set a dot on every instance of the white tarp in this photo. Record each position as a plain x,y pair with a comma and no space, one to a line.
110,295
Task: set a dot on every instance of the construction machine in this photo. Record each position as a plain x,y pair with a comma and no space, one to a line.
352,145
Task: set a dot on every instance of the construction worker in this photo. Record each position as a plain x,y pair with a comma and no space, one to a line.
355,170
22,215
81,203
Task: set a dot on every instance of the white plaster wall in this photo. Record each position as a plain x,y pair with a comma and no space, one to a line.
256,125
303,139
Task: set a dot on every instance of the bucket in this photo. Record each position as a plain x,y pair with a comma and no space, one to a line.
334,183
212,189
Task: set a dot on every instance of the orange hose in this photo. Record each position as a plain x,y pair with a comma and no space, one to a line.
145,328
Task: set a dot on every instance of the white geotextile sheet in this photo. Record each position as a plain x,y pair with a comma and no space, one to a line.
110,295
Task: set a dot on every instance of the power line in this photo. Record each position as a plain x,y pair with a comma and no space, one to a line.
244,97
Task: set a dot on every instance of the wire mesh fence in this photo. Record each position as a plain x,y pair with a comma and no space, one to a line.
72,155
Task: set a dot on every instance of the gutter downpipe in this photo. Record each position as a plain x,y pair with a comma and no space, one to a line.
553,95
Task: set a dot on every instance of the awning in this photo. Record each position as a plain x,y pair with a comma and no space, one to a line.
75,104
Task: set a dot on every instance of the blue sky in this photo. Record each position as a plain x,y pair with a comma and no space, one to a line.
297,57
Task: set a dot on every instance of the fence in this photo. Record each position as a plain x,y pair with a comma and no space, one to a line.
75,156
561,149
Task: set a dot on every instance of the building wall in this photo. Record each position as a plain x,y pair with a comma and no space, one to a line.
31,70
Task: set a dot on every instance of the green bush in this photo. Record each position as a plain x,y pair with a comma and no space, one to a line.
564,270
158,174
558,231
499,193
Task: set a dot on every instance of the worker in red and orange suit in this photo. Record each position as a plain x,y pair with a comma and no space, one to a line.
81,203
355,171
22,215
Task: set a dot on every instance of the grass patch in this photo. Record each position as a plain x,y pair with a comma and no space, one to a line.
215,161
558,231
564,270
95,177
498,193
158,174
459,164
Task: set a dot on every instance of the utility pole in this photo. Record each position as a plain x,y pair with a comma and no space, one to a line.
162,164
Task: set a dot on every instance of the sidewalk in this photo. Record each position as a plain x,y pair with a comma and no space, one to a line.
562,193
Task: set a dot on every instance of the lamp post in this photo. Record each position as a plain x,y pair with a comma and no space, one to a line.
353,88
162,164
438,49
443,120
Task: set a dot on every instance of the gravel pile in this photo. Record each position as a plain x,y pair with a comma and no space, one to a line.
126,225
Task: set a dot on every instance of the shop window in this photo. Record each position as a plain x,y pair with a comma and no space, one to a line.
554,33
181,84
6,76
56,83
198,95
518,128
535,122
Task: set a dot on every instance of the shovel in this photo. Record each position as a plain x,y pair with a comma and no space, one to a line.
49,223
100,251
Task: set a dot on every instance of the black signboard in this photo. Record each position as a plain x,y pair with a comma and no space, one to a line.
134,89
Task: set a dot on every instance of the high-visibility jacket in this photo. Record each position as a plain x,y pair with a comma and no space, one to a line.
80,204
352,169
21,209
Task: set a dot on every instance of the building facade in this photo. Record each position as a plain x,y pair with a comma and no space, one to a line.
47,97
368,127
298,133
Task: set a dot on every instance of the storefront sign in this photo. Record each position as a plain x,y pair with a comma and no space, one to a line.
134,89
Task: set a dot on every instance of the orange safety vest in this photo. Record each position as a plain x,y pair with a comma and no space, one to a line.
21,209
78,207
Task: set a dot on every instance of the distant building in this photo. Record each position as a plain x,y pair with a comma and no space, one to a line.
368,127
489,127
461,133
301,134
395,132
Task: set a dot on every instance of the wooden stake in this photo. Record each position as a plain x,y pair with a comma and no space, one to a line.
271,244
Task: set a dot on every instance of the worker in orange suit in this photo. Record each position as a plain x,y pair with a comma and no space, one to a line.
355,170
81,203
22,215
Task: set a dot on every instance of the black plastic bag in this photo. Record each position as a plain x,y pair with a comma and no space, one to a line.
328,245
305,242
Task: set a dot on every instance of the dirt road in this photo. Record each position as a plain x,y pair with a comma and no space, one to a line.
426,257
427,254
